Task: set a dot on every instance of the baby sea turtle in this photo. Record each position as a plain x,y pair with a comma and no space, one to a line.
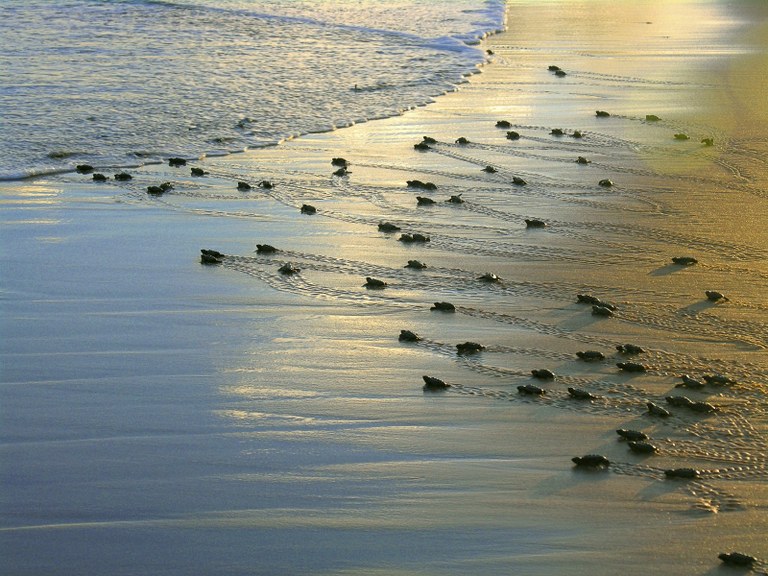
444,307
461,140
631,367
490,169
681,136
598,310
288,269
595,301
587,299
341,162
704,407
211,256
679,401
685,402
123,176
695,406
408,336
560,73
84,168
503,124
388,227
421,185
715,296
718,379
737,559
517,181
266,185
155,190
553,68
469,348
243,185
422,201
428,140
582,160
591,461
591,355
530,390
265,249
374,283
708,141
686,473
197,172
490,278
602,114
605,183
577,134
433,384
415,237
534,223
633,435
308,209
656,410
512,135
604,304
456,199
580,394
341,172
651,118
690,382
642,447
630,349
421,146
557,132
543,374
415,265
99,177
177,162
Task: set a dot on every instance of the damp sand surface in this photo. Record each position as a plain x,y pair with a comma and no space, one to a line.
164,416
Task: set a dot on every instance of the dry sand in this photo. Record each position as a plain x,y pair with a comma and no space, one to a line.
161,416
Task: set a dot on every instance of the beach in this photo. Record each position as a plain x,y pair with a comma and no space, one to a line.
164,415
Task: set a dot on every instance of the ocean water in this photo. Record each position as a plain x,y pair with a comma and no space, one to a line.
161,416
125,82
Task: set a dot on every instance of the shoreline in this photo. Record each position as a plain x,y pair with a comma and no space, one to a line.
243,134
235,418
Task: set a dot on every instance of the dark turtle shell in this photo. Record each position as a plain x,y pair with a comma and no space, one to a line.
432,383
631,367
686,473
632,434
580,394
469,348
374,283
591,461
656,410
408,336
388,227
642,447
591,356
308,209
737,559
530,390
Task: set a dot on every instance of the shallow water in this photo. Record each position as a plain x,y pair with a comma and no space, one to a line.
167,416
129,82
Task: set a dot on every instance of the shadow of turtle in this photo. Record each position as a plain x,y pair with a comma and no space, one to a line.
666,270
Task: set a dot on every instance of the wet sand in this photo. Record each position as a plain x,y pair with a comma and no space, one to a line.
164,416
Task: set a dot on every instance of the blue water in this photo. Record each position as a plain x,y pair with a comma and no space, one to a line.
125,82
